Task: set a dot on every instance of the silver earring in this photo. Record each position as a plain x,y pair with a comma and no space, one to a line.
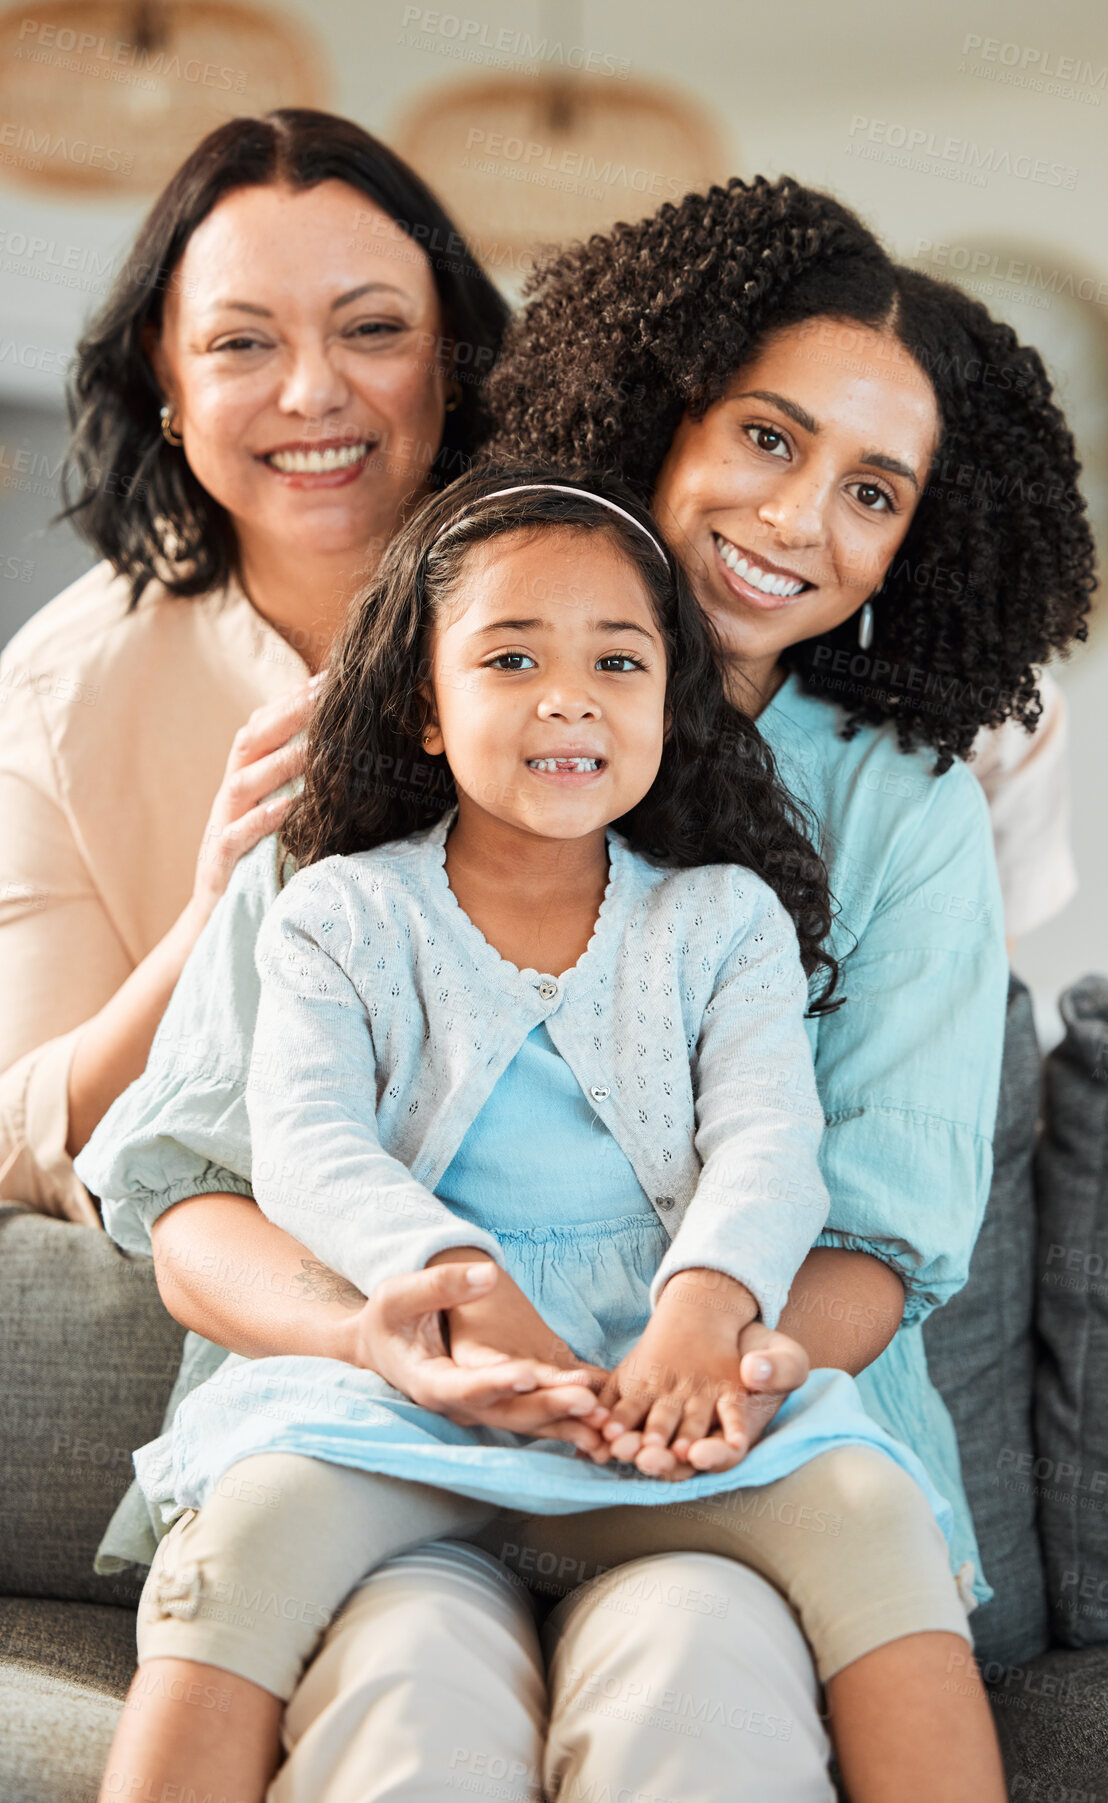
865,627
169,432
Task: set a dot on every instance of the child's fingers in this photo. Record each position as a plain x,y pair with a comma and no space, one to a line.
622,1445
655,1460
628,1411
697,1416
601,1453
682,1469
610,1390
732,1420
712,1454
663,1420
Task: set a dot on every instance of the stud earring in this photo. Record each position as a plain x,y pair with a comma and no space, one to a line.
169,431
454,400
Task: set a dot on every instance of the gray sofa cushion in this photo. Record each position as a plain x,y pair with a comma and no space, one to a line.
64,1670
981,1354
88,1355
1070,1473
1051,1717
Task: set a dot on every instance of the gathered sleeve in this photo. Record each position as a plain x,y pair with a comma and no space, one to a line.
909,1069
61,959
181,1129
760,1199
321,1172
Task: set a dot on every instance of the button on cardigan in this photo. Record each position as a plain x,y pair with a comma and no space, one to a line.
386,1018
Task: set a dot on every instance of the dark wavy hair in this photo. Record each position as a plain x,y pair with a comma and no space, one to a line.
716,798
128,491
619,338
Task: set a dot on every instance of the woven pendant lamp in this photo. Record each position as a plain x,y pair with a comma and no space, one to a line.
107,97
556,149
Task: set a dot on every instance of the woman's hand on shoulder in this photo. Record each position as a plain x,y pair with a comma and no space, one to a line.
262,758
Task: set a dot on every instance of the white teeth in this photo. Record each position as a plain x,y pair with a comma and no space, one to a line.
564,763
752,573
315,463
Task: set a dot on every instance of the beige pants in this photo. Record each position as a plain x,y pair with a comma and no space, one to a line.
430,1685
251,1582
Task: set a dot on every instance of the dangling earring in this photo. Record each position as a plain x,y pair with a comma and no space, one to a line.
169,431
865,618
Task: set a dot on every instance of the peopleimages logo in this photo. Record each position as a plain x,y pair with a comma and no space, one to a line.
1042,62
963,154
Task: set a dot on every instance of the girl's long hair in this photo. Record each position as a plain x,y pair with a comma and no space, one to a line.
717,797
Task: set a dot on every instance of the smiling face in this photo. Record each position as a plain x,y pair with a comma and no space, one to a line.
549,678
787,501
301,350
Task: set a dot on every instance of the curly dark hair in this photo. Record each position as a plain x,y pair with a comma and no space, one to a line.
132,494
717,797
621,337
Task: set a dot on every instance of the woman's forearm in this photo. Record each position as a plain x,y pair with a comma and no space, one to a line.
844,1308
114,1045
227,1272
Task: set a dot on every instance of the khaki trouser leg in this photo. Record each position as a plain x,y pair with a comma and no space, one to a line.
251,1581
428,1686
682,1679
848,1539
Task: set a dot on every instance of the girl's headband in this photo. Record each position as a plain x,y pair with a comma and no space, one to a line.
560,488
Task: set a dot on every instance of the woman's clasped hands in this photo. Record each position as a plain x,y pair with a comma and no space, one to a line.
694,1395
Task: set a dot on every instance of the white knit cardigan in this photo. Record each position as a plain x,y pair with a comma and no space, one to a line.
386,1018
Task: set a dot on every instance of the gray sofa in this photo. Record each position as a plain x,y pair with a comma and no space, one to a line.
88,1356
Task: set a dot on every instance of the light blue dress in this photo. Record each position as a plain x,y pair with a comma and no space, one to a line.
588,1270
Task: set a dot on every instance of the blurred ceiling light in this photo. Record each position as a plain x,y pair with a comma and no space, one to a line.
557,150
108,96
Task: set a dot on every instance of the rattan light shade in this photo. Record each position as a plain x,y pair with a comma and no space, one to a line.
522,161
108,96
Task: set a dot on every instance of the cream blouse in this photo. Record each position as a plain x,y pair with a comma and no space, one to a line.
114,732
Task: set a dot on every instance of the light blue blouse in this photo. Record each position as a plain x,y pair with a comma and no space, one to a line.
907,1072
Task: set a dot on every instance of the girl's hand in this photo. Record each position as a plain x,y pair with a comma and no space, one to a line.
693,1395
399,1334
261,759
503,1325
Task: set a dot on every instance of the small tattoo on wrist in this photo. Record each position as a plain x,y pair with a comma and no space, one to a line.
317,1280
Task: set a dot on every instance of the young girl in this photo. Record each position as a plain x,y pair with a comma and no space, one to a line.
496,1027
